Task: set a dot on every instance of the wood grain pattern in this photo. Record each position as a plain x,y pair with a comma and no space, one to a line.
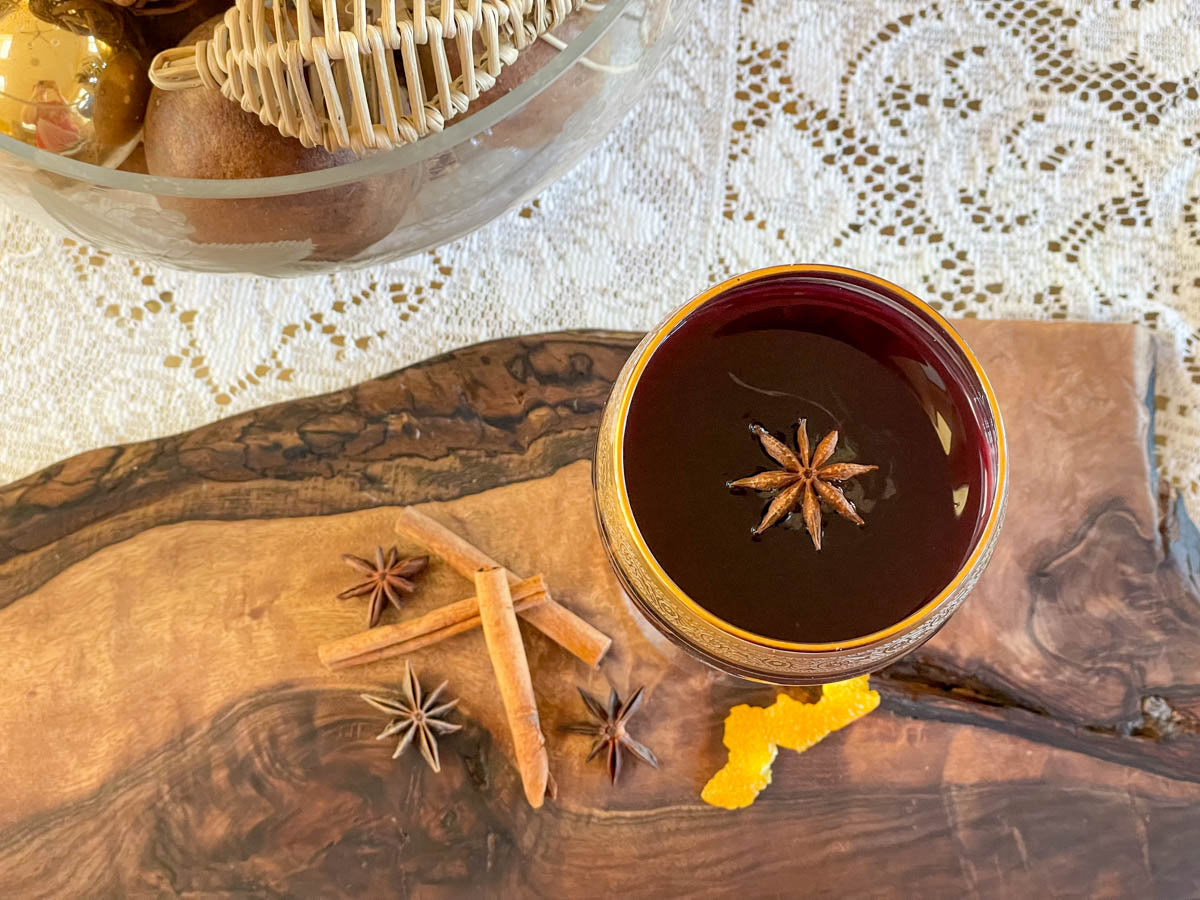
168,728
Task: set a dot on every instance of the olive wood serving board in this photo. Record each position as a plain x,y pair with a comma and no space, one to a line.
166,727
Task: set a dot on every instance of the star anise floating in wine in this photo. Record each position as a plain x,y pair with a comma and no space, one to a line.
610,733
387,578
417,717
803,483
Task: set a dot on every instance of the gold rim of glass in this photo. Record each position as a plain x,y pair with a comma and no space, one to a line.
664,330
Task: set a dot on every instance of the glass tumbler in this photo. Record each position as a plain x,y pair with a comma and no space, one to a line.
730,648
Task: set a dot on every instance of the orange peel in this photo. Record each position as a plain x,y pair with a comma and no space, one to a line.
754,734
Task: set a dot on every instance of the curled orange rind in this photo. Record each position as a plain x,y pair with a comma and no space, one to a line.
754,734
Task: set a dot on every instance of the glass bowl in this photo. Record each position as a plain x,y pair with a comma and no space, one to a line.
736,650
419,196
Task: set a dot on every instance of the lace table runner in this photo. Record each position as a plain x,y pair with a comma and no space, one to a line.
1004,159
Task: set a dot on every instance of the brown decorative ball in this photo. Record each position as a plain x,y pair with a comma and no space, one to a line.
135,162
198,133
72,78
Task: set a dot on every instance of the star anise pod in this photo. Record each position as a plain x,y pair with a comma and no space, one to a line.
387,578
416,718
609,731
803,482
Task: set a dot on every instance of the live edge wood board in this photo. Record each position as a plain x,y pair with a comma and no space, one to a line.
166,728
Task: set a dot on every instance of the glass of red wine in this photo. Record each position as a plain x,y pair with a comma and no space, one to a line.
800,474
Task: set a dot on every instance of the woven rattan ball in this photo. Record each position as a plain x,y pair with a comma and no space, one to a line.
354,75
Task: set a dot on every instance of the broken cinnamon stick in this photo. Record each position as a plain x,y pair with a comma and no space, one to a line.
552,619
446,621
504,645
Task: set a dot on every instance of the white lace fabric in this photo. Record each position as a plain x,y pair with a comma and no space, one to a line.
1004,159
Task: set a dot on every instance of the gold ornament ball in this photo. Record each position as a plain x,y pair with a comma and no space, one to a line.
72,78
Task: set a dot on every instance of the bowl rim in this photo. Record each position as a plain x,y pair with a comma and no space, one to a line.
981,546
379,164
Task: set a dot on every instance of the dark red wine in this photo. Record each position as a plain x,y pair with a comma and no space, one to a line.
771,353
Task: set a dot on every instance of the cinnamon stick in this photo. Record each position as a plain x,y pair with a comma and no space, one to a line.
504,645
552,619
446,621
